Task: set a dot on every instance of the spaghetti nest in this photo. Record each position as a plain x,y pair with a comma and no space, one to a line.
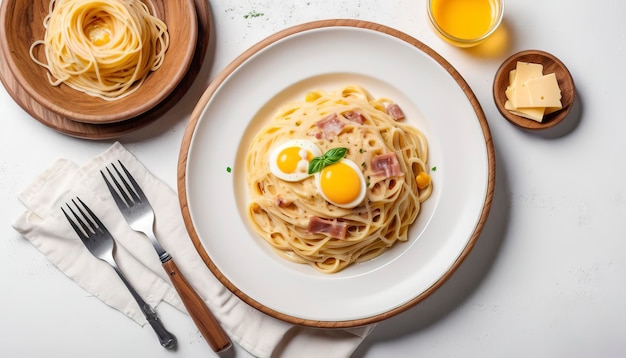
104,48
280,211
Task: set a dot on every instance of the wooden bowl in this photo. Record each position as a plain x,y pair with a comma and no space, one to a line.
21,23
551,64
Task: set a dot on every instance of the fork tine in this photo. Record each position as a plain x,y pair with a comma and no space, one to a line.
128,194
129,190
84,220
122,200
93,217
140,194
86,223
76,228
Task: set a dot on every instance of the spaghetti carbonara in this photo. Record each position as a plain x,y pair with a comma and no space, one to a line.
105,49
336,178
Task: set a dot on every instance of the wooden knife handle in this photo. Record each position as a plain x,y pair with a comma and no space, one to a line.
199,312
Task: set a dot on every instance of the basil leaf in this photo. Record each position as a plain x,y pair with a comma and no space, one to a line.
316,164
331,156
335,154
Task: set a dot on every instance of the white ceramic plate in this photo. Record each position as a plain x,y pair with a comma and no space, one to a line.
283,68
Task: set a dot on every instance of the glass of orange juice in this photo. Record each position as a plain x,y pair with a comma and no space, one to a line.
465,23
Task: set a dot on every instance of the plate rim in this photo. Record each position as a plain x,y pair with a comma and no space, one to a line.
242,58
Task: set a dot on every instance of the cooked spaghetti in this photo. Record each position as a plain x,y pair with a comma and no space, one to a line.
104,48
293,211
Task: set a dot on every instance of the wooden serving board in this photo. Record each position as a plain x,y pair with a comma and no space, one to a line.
118,129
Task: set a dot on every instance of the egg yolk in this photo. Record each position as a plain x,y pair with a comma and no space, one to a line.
340,183
289,158
99,34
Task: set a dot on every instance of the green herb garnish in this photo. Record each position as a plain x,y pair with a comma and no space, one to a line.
332,156
253,14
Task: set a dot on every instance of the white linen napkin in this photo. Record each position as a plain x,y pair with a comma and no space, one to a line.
45,226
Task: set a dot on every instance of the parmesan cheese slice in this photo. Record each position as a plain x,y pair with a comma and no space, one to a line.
524,72
534,113
544,92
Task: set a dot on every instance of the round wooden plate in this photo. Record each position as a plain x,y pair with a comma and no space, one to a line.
213,90
551,64
22,21
111,130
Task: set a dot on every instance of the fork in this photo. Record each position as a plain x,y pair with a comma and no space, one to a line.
101,244
139,214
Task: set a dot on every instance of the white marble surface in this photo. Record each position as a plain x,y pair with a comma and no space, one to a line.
546,278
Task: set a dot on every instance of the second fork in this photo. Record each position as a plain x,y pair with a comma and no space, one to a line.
99,241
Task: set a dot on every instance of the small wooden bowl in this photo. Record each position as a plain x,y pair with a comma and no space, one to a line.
21,23
550,64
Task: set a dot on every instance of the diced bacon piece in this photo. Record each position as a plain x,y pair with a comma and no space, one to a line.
282,202
394,110
333,228
330,126
386,165
355,116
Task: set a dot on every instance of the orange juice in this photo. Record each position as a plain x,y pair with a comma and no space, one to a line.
465,20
